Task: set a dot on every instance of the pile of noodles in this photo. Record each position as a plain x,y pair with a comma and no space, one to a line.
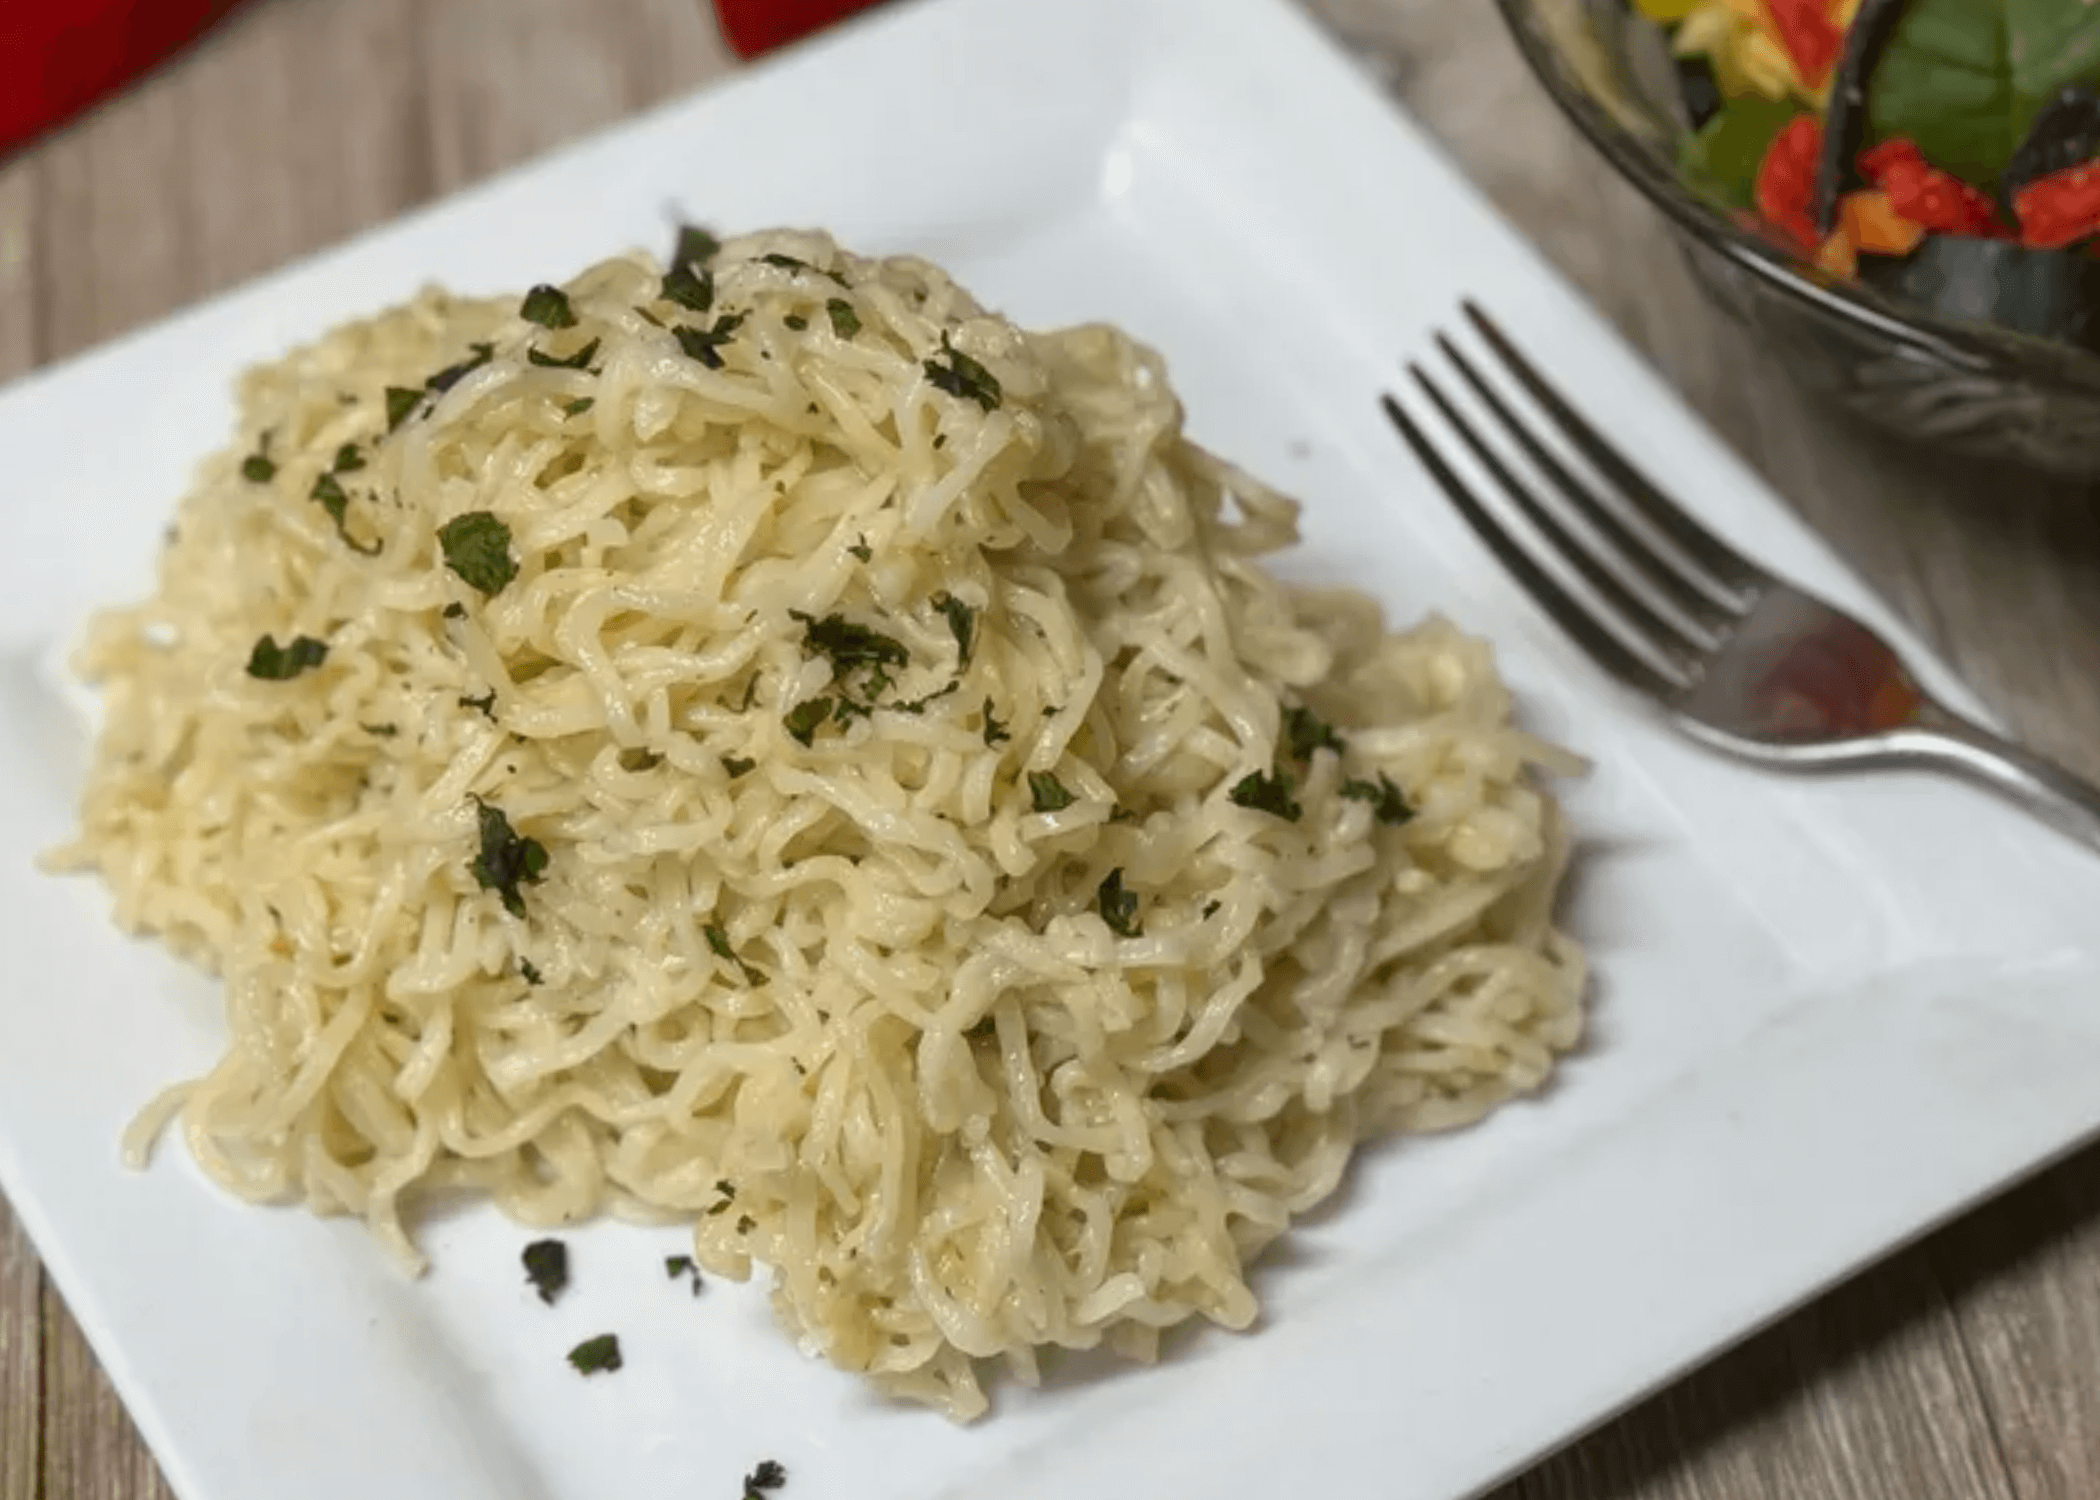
774,744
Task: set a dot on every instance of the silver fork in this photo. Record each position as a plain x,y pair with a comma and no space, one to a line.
1734,655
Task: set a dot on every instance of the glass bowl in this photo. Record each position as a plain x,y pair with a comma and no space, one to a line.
1974,387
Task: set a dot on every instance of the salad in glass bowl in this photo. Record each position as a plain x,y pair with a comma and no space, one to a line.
1942,151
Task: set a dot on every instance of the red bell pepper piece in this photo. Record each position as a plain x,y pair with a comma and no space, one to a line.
1786,181
1811,38
2060,209
1922,193
754,26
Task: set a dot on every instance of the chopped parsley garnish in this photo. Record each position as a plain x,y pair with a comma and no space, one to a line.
530,971
676,1266
1388,802
477,548
580,360
1212,910
1306,732
455,611
803,719
705,344
847,645
918,705
690,289
718,940
258,468
1118,906
796,321
862,550
1266,793
963,376
962,624
347,460
549,307
400,401
696,247
328,490
789,263
995,733
1049,793
381,731
452,375
507,860
274,663
728,1191
579,406
845,322
737,765
744,1222
650,318
547,1268
596,1356
485,705
767,1476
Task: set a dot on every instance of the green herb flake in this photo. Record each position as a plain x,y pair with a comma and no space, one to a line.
963,376
600,1355
507,860
796,321
718,940
328,490
485,705
737,765
547,1268
531,972
995,733
1212,910
705,344
549,307
962,624
862,550
845,322
1266,793
767,1476
1388,802
477,548
803,719
676,1266
400,401
728,1191
381,731
455,611
258,468
1049,793
695,247
1118,907
848,645
347,460
579,406
744,1222
273,663
690,289
790,263
580,360
1306,732
452,375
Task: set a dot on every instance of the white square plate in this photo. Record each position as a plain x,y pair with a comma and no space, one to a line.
1826,1014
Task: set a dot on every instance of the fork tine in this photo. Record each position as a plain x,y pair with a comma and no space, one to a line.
1668,639
1688,596
1605,648
1728,567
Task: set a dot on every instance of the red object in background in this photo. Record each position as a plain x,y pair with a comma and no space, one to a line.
1925,195
1811,39
57,57
1786,180
755,26
2060,209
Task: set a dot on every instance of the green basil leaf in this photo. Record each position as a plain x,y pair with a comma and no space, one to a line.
1719,162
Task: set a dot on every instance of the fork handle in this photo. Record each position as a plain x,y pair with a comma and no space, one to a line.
2068,803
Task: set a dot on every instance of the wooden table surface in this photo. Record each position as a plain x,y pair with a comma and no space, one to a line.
1966,1368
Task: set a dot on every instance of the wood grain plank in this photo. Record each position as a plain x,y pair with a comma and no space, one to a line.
21,1363
91,1450
511,79
1865,1395
2026,1276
